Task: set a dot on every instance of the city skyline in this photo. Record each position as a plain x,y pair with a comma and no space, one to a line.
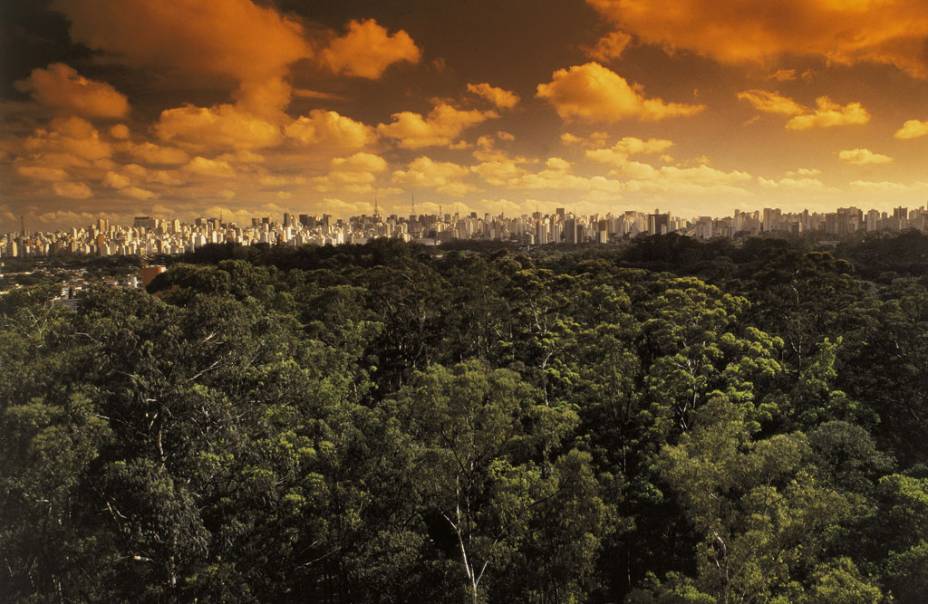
148,235
242,108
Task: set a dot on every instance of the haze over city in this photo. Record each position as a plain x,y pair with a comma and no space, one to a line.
188,109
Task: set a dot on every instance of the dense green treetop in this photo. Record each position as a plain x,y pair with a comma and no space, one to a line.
669,422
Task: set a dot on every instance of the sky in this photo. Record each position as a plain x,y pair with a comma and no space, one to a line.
257,107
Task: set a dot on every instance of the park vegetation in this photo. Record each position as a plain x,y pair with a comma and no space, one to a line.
667,423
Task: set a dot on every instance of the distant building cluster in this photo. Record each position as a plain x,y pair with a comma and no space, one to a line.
148,236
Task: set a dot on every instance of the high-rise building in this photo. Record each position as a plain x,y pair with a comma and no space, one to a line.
144,222
658,224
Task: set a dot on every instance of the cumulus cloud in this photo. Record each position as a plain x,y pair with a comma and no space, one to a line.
137,193
863,157
45,173
249,43
912,129
701,176
72,190
439,128
647,178
557,174
796,182
161,177
594,139
360,162
770,101
792,184
123,184
499,171
115,180
803,173
354,174
151,153
596,93
61,88
67,142
202,166
330,129
502,98
443,177
828,114
843,33
619,153
368,49
221,126
119,131
609,47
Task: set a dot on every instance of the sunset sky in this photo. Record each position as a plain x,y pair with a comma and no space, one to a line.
191,107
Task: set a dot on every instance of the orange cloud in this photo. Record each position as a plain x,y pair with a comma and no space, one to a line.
162,177
330,129
236,39
863,157
354,174
692,180
770,101
42,173
222,126
594,139
115,180
912,129
119,131
308,93
826,114
123,184
368,49
202,166
609,47
70,141
60,87
439,128
593,92
360,162
829,114
619,153
444,177
843,32
137,193
151,153
503,99
72,190
556,175
784,75
804,184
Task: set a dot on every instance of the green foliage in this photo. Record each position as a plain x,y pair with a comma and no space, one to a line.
672,423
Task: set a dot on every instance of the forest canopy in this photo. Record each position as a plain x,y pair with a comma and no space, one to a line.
674,422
